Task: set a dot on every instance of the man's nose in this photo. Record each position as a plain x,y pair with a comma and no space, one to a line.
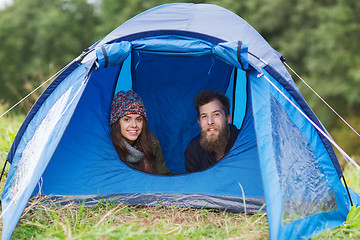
210,120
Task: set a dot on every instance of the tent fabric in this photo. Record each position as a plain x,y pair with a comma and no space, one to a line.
167,55
306,109
37,105
234,53
37,145
289,156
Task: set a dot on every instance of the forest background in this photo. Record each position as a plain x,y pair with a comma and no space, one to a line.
319,39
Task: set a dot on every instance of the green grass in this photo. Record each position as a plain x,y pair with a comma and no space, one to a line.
119,221
107,220
9,125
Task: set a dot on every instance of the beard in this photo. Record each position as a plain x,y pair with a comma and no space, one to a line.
215,143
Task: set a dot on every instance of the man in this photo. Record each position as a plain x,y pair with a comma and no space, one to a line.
217,134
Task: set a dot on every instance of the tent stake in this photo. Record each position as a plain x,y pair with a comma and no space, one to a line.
3,170
347,189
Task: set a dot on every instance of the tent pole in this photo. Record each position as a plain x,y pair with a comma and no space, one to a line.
347,189
2,173
233,95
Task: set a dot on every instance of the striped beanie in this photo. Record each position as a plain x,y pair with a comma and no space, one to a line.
125,103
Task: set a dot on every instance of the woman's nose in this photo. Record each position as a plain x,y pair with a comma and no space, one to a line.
133,123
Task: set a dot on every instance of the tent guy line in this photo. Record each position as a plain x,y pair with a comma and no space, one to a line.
32,92
322,99
312,123
326,135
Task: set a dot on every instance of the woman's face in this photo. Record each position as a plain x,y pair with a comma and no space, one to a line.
131,126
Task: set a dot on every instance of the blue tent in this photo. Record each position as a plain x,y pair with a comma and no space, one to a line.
167,55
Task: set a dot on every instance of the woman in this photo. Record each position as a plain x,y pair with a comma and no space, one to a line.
134,143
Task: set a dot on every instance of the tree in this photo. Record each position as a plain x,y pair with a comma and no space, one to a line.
320,40
39,37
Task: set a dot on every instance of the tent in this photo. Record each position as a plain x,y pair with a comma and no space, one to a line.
167,55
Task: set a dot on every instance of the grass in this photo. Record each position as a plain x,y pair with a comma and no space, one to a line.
9,125
108,220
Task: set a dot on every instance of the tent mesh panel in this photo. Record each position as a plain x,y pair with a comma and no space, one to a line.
305,190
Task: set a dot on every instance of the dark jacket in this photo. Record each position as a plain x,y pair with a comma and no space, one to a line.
159,164
198,159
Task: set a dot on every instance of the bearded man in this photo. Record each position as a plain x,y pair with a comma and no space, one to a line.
217,134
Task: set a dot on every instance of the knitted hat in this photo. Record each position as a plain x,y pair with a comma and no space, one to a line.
125,103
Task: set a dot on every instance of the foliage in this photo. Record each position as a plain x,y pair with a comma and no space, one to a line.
38,38
318,38
349,141
352,176
353,218
350,230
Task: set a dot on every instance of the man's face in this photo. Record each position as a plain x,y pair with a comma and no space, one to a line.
212,120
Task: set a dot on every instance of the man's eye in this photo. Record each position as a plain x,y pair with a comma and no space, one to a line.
203,117
216,114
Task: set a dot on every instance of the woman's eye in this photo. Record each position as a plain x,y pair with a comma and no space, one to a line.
139,119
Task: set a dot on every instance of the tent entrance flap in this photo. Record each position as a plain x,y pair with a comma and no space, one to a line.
167,85
167,73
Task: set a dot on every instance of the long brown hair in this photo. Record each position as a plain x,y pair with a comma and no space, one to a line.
143,143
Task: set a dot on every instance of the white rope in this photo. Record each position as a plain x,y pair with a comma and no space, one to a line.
316,126
322,99
52,77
